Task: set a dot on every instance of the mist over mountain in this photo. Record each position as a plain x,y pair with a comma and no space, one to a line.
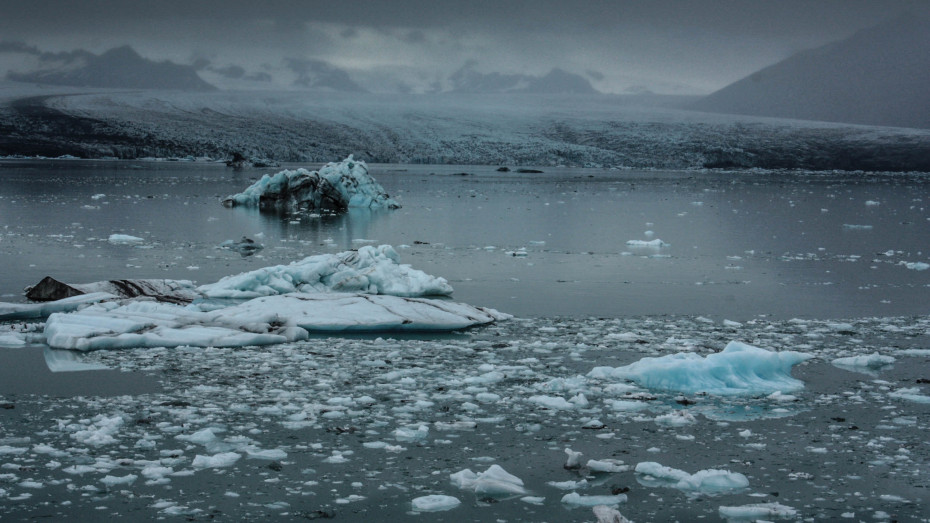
878,76
120,68
557,81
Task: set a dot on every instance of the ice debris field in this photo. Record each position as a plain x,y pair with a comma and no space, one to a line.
258,414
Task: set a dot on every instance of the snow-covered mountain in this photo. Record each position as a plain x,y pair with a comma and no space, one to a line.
118,68
879,76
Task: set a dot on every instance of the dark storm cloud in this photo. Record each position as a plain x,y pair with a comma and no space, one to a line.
701,43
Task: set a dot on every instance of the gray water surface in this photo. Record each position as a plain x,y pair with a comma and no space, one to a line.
740,244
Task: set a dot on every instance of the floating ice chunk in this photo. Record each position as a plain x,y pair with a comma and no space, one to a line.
709,481
739,369
125,239
493,482
577,500
533,500
99,432
335,188
854,227
223,459
410,435
916,266
201,437
606,465
112,481
910,394
868,363
650,244
552,402
605,514
574,459
757,511
434,503
175,291
22,311
370,270
12,339
262,321
678,418
569,484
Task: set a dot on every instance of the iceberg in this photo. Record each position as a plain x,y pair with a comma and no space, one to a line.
494,482
740,369
757,511
711,481
260,321
371,270
334,188
867,364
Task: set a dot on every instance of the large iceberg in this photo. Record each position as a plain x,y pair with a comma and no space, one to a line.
260,321
739,369
370,270
334,188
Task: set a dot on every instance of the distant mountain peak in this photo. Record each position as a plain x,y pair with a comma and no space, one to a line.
556,81
121,67
877,76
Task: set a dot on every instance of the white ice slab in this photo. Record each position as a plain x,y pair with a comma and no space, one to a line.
21,311
371,270
262,321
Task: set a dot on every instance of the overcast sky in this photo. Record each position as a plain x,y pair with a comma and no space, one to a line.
667,46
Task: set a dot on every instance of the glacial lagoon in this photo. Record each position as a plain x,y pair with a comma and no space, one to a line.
600,268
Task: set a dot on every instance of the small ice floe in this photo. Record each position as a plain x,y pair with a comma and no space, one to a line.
756,512
872,203
854,227
867,364
911,394
23,311
710,481
574,459
222,459
740,369
519,253
677,418
125,239
245,247
575,499
608,466
915,266
113,481
650,244
434,503
12,339
605,514
411,435
494,482
336,187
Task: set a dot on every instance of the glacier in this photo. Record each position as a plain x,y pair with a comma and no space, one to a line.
336,187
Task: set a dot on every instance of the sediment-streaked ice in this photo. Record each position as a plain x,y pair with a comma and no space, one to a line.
336,187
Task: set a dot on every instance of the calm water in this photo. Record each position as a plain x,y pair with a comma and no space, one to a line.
740,245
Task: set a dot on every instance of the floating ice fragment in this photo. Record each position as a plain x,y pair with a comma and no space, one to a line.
551,402
650,244
910,394
868,363
574,459
757,511
916,266
434,503
223,459
711,481
493,482
605,514
112,481
125,239
606,465
740,369
577,500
